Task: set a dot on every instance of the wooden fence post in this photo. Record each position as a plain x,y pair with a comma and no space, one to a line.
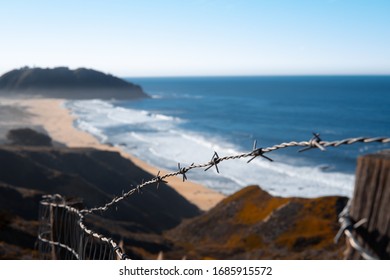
371,201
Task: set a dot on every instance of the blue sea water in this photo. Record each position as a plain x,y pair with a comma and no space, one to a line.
187,119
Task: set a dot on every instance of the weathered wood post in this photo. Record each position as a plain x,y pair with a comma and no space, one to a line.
371,201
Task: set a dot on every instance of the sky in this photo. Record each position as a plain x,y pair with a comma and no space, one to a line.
198,37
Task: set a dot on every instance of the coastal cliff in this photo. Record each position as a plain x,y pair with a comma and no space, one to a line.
62,82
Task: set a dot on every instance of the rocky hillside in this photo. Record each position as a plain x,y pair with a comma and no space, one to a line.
61,82
252,224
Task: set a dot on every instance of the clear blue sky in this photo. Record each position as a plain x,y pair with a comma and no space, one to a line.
198,37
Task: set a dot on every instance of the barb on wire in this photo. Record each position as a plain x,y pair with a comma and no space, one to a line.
347,227
159,180
314,143
257,152
138,187
183,171
214,162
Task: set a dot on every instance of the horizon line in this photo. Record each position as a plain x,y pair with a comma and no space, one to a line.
259,75
212,75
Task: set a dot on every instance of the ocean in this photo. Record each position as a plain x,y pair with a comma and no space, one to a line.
187,119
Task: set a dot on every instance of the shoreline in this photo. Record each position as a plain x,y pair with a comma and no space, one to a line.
52,116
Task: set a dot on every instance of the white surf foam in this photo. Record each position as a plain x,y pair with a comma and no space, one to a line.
158,140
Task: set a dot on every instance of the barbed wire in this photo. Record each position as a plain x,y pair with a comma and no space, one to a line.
315,142
57,201
59,244
347,227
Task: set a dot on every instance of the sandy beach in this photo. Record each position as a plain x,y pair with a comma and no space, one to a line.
51,116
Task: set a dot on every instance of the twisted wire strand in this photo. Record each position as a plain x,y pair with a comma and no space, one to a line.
313,143
115,247
347,226
59,244
256,152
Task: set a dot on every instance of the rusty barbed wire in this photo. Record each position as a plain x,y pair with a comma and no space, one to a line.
314,142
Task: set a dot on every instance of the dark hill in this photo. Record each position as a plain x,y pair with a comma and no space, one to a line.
92,176
61,82
28,137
